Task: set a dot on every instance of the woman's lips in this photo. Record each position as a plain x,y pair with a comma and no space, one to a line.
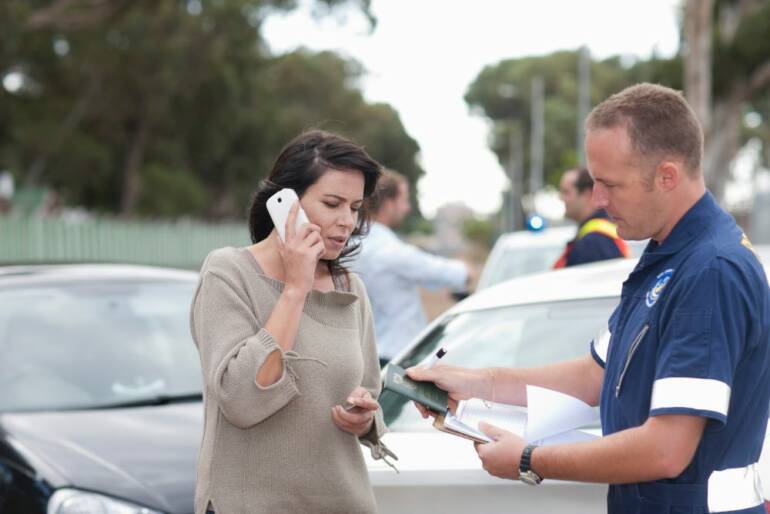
338,242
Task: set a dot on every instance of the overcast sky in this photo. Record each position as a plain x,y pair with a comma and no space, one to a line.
423,54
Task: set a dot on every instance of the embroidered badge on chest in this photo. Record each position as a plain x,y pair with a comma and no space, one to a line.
660,284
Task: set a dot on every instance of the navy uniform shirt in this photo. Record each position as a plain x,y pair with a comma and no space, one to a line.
594,246
691,335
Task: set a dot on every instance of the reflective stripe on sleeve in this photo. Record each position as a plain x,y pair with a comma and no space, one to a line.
734,489
691,393
602,343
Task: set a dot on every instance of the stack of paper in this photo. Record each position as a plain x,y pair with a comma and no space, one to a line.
551,417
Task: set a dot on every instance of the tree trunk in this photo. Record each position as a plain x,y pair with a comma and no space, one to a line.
723,143
70,122
133,162
697,59
722,120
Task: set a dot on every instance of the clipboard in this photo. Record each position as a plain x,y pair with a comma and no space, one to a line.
438,423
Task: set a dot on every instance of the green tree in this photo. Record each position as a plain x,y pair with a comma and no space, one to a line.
738,66
168,108
319,90
502,92
740,72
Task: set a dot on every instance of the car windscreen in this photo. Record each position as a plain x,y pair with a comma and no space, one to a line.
95,344
515,262
514,336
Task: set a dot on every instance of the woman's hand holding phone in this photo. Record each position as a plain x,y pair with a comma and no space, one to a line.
301,252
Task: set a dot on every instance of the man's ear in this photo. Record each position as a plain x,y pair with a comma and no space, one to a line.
386,207
668,174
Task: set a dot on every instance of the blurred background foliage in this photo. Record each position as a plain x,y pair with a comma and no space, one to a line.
172,108
739,70
178,107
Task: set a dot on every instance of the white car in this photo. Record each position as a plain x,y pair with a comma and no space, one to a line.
525,252
524,322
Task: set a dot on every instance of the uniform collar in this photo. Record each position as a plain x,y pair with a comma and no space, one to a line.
693,223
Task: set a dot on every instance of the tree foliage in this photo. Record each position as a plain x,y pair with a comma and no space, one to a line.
171,108
502,92
740,69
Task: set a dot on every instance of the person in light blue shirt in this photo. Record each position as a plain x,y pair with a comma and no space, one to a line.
394,271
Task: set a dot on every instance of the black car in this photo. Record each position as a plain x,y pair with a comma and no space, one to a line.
100,390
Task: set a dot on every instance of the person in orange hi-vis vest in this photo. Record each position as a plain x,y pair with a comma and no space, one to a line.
597,237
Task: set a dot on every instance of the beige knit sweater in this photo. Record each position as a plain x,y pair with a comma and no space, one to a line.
275,449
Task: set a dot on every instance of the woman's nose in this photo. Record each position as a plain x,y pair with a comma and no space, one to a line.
347,219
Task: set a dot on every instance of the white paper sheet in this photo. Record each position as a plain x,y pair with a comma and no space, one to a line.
551,418
551,413
471,412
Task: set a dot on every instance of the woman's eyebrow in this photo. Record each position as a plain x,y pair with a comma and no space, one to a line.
342,198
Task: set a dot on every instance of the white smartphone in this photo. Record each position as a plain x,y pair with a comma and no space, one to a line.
279,205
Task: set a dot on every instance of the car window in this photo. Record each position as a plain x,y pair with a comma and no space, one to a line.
89,345
514,336
514,262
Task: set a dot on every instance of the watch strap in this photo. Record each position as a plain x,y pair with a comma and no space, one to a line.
525,466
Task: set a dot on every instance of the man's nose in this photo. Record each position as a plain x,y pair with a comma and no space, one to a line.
599,197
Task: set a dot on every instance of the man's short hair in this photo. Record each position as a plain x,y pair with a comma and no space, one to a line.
388,187
583,180
659,123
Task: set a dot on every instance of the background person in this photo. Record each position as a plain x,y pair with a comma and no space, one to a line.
682,372
394,271
597,237
286,339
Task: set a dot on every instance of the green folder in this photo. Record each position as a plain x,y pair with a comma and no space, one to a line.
425,393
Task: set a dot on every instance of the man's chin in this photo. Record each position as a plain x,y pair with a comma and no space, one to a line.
624,233
630,235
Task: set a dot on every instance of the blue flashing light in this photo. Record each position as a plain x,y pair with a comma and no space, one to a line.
535,223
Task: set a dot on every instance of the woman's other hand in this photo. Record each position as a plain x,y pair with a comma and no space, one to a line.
358,417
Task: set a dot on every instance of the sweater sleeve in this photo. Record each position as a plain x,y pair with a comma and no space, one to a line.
233,346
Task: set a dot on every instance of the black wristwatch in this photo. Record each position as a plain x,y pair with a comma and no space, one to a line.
526,474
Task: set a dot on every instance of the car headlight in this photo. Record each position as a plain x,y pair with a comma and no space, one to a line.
72,501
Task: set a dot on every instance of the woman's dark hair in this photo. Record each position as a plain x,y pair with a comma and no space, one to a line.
300,164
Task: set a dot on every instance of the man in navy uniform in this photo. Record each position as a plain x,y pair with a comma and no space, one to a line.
597,237
682,371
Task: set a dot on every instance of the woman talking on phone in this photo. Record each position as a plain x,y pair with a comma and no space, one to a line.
286,340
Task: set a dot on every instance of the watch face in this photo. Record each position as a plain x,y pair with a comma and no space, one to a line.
530,478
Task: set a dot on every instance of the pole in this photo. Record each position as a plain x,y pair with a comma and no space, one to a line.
584,100
537,133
